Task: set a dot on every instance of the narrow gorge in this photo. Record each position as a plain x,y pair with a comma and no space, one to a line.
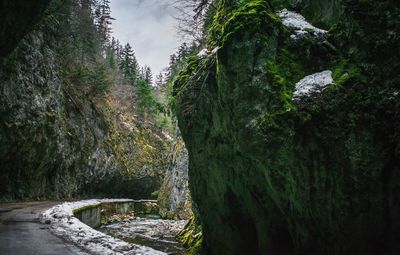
273,129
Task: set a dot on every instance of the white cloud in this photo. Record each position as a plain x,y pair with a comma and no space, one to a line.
149,26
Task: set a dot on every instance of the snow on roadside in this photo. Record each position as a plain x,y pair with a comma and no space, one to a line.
312,83
299,24
65,225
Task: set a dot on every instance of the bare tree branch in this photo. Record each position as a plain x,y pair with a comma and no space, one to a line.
191,17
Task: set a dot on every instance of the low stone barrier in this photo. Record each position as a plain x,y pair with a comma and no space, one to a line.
91,215
65,224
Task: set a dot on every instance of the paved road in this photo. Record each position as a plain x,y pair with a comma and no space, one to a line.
21,233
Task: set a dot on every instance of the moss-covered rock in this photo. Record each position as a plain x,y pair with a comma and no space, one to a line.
272,175
191,236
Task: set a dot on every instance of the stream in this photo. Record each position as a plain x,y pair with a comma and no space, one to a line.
150,231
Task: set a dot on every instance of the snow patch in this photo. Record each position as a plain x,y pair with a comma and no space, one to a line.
393,95
215,50
65,225
313,83
297,22
203,53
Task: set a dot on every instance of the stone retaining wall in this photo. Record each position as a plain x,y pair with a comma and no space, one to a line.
91,215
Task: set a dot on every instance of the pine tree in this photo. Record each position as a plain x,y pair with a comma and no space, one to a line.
172,64
148,75
86,5
128,64
182,50
103,19
119,51
159,80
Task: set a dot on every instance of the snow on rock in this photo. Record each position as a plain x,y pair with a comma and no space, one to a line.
215,50
312,83
393,95
299,24
203,53
63,224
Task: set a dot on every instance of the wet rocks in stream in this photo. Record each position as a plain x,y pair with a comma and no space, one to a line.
155,233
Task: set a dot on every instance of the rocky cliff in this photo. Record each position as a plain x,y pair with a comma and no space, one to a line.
63,132
174,196
17,18
290,123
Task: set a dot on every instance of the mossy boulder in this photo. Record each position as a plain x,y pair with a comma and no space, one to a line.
273,175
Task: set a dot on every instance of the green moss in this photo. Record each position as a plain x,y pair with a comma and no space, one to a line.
345,71
191,237
254,15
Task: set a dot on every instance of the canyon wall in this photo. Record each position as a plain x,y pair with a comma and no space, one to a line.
291,127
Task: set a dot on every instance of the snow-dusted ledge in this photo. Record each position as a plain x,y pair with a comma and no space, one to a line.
64,224
312,83
205,52
297,22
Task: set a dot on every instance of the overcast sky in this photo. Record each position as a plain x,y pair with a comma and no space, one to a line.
149,26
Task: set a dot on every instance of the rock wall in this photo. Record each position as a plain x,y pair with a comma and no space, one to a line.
59,141
174,196
17,18
275,174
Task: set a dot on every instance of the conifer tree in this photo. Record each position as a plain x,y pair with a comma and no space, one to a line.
103,19
128,64
148,75
182,50
159,80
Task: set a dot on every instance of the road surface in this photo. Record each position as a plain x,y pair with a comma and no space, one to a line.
21,233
